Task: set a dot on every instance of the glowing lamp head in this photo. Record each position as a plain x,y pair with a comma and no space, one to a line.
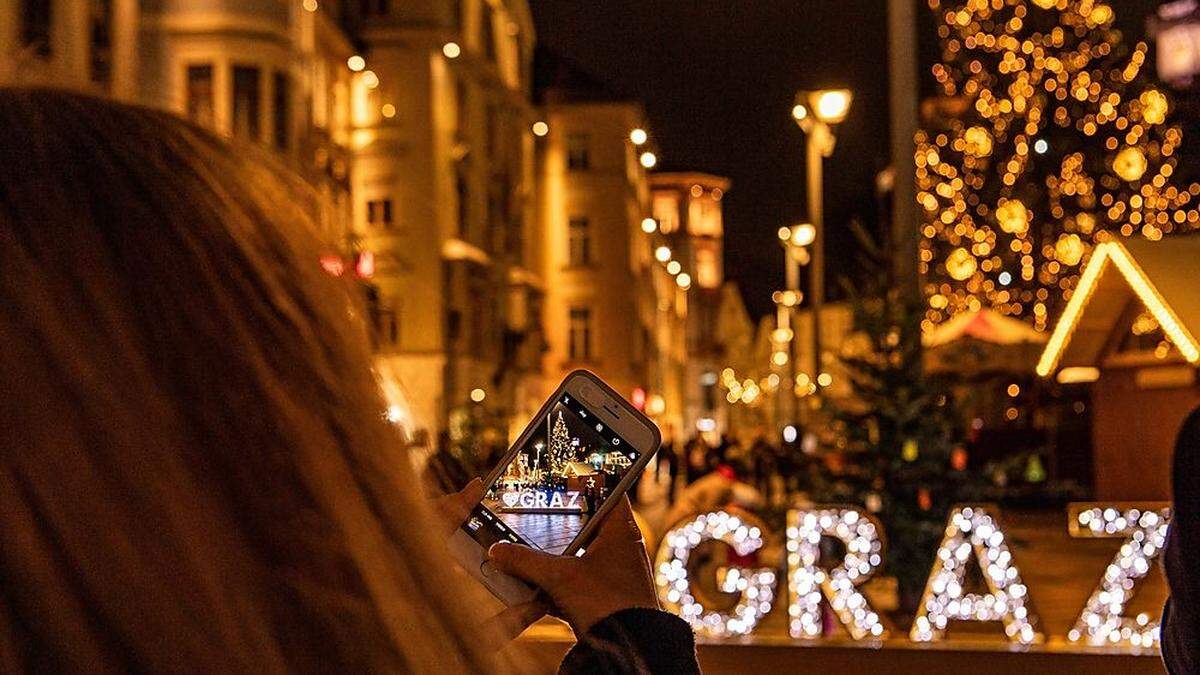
639,136
477,395
451,50
684,280
662,254
674,267
831,105
356,63
649,225
540,129
648,160
803,234
799,112
370,79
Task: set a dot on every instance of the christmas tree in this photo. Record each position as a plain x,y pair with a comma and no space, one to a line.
899,449
1047,138
561,451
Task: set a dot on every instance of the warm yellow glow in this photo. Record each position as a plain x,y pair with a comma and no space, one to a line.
779,358
1101,15
961,264
1078,375
800,112
648,160
451,50
674,267
639,136
1154,106
684,280
649,225
1069,249
310,5
369,79
1014,390
388,110
662,254
356,63
477,395
824,379
1045,4
978,141
1130,163
1141,285
1013,216
785,233
832,106
540,129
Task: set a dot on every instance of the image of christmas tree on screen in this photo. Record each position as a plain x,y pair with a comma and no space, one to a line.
559,478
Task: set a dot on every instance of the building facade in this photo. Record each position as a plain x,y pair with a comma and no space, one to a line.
499,242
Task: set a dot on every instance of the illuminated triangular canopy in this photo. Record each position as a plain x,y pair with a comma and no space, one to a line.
1161,274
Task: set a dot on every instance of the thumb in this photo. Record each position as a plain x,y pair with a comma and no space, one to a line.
528,564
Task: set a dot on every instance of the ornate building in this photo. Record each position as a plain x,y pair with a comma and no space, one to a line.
499,244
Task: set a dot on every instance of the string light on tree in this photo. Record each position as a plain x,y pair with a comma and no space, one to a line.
1047,126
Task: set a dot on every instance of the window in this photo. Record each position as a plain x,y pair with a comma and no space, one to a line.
35,26
379,213
101,45
375,7
666,212
579,152
246,87
708,268
488,32
579,340
282,111
579,241
200,99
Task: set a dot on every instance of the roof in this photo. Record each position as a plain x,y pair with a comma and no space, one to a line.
558,79
985,325
1161,274
684,180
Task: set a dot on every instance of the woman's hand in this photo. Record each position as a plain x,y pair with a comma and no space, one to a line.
613,574
504,627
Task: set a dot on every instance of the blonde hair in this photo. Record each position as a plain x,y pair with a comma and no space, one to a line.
195,471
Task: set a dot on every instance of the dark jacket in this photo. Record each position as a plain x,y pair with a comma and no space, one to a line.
635,641
1181,616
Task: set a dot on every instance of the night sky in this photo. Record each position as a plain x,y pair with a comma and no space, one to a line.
718,78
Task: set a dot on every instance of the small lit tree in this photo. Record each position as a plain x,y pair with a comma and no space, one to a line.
561,450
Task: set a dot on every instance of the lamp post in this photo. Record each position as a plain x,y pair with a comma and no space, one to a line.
795,240
818,113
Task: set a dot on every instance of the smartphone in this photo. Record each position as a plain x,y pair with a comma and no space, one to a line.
554,486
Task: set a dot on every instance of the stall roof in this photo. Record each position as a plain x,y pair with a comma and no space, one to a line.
1162,274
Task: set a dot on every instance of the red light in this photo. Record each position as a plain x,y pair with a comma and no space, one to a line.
365,267
333,264
638,398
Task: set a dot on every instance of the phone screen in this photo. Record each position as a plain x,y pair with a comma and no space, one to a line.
554,483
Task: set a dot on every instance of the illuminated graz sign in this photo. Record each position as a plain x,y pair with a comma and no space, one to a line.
973,535
541,500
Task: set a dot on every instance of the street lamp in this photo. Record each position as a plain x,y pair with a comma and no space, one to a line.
817,113
795,240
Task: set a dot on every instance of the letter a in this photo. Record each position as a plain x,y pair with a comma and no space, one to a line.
973,531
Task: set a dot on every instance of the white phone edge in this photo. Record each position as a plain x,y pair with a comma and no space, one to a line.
473,558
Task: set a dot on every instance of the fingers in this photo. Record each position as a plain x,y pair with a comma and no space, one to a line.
618,528
455,507
536,567
508,624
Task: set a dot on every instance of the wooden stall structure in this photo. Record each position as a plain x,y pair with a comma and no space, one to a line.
1130,331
